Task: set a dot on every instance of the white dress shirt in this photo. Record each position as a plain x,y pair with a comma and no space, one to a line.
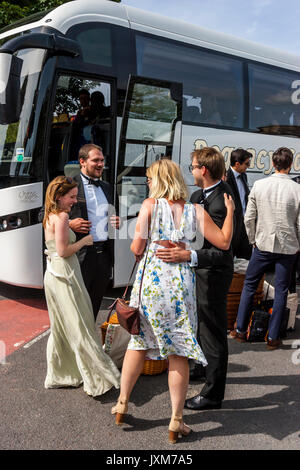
97,209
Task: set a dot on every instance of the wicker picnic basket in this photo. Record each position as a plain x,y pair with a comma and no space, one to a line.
151,367
234,295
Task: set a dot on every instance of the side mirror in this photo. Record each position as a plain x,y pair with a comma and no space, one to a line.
10,93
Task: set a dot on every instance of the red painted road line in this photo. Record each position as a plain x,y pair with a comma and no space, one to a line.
20,322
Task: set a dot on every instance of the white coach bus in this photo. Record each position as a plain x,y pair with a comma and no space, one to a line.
156,87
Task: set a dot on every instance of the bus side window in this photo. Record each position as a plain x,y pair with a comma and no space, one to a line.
214,78
82,114
271,106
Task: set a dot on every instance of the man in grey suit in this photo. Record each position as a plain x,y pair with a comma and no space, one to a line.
272,222
94,214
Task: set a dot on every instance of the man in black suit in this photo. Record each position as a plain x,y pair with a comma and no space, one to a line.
214,271
93,214
237,180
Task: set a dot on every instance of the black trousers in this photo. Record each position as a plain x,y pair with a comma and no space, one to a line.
240,244
212,286
96,271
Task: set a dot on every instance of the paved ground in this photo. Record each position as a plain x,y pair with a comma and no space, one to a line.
260,411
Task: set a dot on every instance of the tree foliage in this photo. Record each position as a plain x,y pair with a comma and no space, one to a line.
18,9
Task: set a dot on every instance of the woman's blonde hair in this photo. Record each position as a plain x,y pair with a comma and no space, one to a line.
167,180
58,187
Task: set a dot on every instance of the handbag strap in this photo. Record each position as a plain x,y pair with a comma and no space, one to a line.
142,277
143,271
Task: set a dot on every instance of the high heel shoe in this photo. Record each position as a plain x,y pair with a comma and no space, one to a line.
177,427
120,410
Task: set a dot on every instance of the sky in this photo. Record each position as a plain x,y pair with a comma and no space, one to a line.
274,23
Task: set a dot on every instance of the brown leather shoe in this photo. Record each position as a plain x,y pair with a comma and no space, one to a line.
273,344
240,337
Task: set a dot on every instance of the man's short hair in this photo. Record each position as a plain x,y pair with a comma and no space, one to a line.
84,91
239,155
85,149
213,161
282,158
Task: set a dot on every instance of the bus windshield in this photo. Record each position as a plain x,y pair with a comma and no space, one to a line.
15,144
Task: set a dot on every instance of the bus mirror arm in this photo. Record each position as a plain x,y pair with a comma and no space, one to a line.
11,66
10,96
57,44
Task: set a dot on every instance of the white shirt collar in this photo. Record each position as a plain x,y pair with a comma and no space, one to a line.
209,188
236,173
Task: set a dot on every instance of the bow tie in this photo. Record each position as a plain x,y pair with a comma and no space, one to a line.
91,181
205,193
94,182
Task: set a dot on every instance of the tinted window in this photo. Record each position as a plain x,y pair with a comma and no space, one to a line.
274,100
212,83
17,139
106,49
96,45
81,115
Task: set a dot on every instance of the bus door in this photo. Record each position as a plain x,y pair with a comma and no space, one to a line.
83,112
151,129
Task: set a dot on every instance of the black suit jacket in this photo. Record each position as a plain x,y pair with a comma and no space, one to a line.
240,242
230,179
209,256
80,210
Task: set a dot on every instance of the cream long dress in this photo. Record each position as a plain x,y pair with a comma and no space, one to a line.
74,351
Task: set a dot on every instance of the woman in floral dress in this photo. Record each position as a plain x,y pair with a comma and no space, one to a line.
168,311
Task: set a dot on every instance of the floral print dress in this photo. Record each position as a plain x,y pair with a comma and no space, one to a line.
168,314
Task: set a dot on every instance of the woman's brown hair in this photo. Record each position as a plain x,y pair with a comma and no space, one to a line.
212,160
58,187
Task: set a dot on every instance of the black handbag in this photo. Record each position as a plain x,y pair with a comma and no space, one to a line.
259,321
258,326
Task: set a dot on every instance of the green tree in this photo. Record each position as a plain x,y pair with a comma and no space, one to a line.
19,9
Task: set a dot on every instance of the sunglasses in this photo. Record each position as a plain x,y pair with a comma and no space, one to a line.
193,167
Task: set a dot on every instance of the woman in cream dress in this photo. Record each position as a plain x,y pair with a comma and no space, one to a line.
74,351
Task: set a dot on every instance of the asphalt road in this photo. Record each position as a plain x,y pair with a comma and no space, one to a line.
260,412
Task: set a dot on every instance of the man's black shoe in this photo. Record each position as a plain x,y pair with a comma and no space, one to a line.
197,373
201,403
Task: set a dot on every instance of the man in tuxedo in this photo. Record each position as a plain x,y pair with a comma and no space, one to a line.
237,180
214,271
93,214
